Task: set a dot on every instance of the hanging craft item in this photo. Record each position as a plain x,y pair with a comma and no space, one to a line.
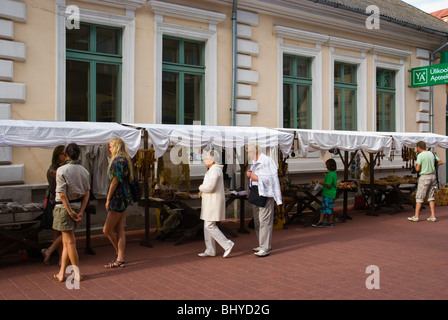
409,156
404,156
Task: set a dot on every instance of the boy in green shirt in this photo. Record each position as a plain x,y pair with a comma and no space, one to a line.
329,186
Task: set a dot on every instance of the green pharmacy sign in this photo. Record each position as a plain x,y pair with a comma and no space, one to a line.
429,75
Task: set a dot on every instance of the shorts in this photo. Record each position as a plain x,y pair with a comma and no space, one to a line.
62,220
327,205
426,187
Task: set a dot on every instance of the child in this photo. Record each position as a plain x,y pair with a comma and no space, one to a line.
328,194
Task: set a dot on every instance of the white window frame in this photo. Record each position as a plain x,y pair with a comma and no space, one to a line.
316,68
316,78
209,37
210,90
361,87
399,92
127,23
309,163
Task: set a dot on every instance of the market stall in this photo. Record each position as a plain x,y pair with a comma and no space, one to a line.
402,188
407,142
162,136
166,140
372,146
49,134
410,139
19,233
351,141
345,142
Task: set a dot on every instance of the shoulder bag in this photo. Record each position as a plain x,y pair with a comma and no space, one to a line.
47,217
255,198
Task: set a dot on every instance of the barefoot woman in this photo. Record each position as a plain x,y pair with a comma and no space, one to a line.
72,193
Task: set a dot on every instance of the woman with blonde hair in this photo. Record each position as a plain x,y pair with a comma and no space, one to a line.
119,197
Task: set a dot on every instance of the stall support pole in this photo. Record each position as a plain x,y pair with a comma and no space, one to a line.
372,185
347,164
243,168
372,161
146,242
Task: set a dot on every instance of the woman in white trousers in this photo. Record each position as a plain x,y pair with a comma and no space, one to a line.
213,206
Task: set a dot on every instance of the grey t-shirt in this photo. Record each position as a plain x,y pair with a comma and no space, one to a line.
73,180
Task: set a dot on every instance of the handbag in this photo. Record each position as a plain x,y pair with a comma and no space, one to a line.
47,217
255,198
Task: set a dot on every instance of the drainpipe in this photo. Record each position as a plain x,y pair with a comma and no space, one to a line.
431,88
234,61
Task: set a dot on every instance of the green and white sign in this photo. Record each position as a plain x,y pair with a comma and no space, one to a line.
429,75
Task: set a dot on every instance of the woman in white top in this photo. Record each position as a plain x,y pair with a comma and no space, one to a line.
213,207
264,174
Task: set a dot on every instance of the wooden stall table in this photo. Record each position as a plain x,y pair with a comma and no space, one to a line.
241,196
305,197
405,187
179,207
20,226
397,191
186,230
15,236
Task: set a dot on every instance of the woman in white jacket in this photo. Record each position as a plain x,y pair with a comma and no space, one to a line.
213,206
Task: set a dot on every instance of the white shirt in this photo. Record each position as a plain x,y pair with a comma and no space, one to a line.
267,173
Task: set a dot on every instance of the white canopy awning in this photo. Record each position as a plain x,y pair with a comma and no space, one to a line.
46,134
163,135
310,140
410,139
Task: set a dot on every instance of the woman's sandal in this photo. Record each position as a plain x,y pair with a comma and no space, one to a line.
115,264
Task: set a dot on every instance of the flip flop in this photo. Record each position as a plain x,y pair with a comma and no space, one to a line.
115,264
57,278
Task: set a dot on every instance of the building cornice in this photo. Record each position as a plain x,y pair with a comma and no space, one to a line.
391,52
309,14
125,4
349,44
295,34
184,12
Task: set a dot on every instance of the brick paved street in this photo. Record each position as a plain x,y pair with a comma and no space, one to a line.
305,263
